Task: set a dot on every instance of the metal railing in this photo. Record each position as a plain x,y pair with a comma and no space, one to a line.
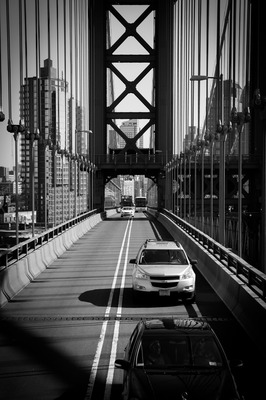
251,276
22,249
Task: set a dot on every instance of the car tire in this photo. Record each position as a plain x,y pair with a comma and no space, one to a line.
190,299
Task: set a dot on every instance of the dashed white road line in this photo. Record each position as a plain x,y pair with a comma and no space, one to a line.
110,374
98,352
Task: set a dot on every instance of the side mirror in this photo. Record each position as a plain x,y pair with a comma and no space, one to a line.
122,364
132,261
193,262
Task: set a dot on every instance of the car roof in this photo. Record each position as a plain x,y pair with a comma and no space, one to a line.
153,244
189,324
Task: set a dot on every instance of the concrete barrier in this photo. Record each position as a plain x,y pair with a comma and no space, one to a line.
14,279
18,275
245,305
36,263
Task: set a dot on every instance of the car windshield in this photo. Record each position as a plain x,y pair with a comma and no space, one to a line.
178,351
161,256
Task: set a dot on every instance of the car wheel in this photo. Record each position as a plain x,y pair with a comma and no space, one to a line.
191,299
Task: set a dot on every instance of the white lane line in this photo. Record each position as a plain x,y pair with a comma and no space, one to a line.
97,356
110,374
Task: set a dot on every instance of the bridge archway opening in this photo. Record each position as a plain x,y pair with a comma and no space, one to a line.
132,186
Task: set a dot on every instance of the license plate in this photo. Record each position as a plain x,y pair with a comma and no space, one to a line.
164,292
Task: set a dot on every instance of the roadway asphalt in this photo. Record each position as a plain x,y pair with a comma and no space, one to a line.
60,336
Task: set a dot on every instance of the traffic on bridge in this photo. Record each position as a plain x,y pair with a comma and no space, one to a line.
120,122
60,336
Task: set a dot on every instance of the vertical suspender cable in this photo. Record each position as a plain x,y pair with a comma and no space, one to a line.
64,83
57,133
174,82
65,75
9,79
207,60
230,50
77,55
48,136
185,103
57,128
26,188
192,63
66,87
247,19
73,126
10,112
181,72
20,45
37,63
234,50
199,63
26,41
1,92
36,124
240,134
178,74
218,60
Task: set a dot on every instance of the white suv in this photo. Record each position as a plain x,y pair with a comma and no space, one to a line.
163,267
127,211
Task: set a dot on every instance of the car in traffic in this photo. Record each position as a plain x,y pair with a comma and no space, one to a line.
176,359
128,211
163,267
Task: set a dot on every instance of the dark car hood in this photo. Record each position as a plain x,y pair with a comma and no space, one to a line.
165,385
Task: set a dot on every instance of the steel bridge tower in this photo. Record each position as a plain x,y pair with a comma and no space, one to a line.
156,59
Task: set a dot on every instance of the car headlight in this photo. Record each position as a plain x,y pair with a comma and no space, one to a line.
188,274
141,274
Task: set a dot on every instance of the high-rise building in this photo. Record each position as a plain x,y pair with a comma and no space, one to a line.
49,174
130,128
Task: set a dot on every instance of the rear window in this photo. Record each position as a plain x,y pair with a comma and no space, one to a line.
159,256
178,351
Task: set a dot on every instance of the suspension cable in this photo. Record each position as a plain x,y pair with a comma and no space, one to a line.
1,91
9,79
49,67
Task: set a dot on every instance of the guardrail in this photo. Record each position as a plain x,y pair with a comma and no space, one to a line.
21,250
251,276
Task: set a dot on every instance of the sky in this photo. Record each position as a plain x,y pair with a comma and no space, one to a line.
10,104
9,96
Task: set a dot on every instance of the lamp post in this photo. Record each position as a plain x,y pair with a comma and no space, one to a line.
46,144
222,130
16,129
90,170
177,187
189,183
181,184
185,185
195,184
210,140
239,119
201,146
31,137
